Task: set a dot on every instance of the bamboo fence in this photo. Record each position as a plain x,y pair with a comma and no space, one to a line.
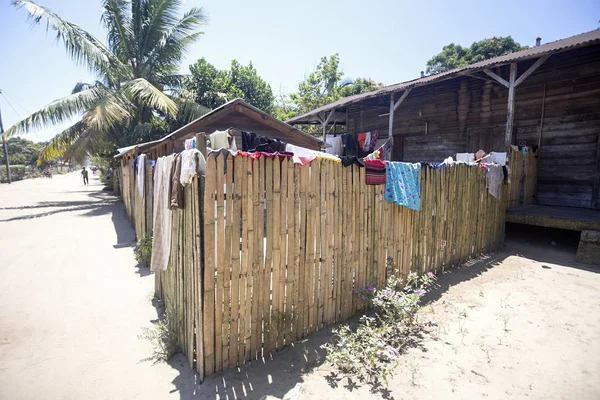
138,207
265,252
286,246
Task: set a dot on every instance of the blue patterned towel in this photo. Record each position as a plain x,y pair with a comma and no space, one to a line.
403,184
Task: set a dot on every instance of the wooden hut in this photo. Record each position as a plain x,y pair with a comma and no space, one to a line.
547,96
237,115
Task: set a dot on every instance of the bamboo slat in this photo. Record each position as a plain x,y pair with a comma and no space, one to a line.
209,267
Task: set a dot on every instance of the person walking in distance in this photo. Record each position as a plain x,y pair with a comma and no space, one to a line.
84,174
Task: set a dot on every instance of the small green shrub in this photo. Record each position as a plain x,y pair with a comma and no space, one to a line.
143,250
372,350
163,336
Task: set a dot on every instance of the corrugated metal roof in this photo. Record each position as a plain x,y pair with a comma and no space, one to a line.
581,40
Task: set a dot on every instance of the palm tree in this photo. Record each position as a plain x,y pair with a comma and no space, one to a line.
137,74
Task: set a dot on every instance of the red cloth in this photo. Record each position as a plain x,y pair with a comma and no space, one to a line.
375,172
361,139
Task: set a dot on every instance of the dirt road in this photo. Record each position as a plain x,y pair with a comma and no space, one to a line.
523,323
72,300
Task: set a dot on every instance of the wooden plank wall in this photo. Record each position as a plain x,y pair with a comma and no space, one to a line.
285,246
557,107
523,179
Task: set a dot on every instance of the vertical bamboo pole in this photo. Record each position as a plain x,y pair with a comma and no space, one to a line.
208,324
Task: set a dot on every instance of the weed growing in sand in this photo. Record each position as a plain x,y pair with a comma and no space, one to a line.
371,351
143,250
163,336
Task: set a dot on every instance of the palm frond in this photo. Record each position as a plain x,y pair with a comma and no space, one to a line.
171,47
144,94
57,146
117,20
60,110
109,112
90,142
189,110
158,16
83,47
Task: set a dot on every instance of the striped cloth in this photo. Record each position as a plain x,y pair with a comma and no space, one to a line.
375,172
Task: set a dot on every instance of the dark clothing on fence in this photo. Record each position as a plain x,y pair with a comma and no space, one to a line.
175,189
349,160
349,144
253,142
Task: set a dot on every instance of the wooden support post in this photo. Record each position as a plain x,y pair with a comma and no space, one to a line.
542,118
201,143
497,78
531,69
511,106
325,122
391,119
402,98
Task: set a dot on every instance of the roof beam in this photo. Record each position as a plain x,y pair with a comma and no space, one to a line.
531,69
402,98
479,77
497,78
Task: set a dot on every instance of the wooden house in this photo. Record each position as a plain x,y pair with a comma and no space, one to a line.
546,96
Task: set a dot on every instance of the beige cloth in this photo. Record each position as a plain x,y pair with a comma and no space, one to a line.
192,163
219,140
161,223
493,179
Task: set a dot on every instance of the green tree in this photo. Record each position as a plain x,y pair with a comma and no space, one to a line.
324,85
22,151
456,56
137,79
213,87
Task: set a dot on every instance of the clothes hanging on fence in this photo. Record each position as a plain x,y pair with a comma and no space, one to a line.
349,160
386,150
192,163
161,218
141,168
253,142
176,190
364,141
374,137
190,144
376,155
302,155
222,140
329,157
498,157
257,154
465,157
403,184
493,180
336,145
349,144
375,172
361,139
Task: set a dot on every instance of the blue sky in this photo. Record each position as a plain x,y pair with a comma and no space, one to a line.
388,41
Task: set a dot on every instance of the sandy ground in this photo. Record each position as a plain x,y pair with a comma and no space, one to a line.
523,323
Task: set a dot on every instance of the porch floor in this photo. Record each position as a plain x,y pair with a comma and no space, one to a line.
573,218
